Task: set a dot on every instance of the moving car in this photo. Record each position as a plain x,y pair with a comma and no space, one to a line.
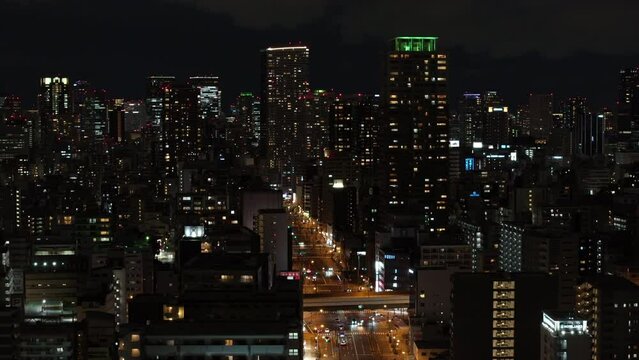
342,339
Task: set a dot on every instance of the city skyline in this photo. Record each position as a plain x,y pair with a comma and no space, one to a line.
306,180
482,60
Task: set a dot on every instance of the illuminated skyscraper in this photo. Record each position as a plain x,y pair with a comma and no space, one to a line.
209,102
342,124
182,126
154,96
316,119
284,85
628,101
367,122
353,127
248,116
90,112
54,103
416,130
470,119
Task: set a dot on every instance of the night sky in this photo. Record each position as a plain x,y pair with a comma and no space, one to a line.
571,47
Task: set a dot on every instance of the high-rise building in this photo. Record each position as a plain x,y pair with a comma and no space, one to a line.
10,106
470,119
90,111
587,128
575,118
182,126
416,130
540,115
342,124
496,126
54,104
628,101
591,135
564,336
154,96
497,315
367,142
316,119
249,119
353,129
521,121
117,123
285,82
209,102
135,116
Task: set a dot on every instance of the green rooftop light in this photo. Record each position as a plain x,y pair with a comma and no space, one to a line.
246,94
415,43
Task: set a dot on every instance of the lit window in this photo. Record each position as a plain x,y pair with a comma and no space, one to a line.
135,353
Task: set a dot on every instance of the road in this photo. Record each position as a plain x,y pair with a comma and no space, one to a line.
377,335
317,256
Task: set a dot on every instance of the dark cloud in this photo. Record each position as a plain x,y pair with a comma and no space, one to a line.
502,27
566,46
260,14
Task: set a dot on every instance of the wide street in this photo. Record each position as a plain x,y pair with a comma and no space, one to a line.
367,335
316,255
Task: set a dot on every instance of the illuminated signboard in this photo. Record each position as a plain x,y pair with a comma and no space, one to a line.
379,276
194,231
469,164
290,275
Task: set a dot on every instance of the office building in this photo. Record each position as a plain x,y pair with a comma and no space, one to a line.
540,110
470,119
249,118
209,105
135,116
54,105
117,124
628,101
90,106
155,97
496,118
416,130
